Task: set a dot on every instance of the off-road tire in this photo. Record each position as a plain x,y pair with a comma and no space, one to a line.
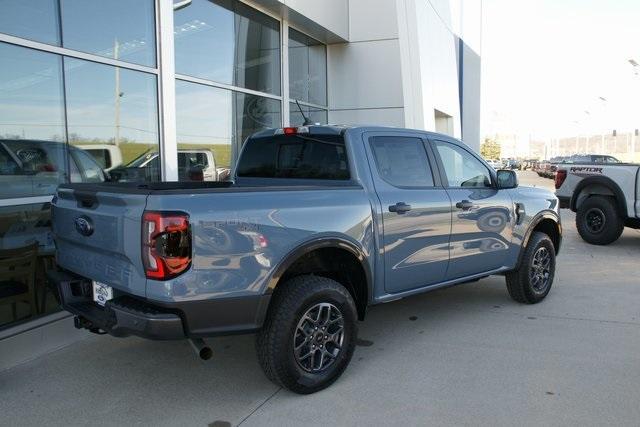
520,283
275,341
599,206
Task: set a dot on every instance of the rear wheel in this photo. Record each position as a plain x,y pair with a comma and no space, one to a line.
598,221
532,281
309,335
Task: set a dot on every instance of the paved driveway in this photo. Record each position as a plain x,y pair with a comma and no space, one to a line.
464,355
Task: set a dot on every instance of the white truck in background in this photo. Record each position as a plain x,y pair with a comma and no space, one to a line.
605,198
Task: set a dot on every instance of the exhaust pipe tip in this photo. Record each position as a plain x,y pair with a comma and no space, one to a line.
203,351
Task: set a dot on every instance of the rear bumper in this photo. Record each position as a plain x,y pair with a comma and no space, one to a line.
127,315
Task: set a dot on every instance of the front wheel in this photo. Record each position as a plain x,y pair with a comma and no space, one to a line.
532,281
598,221
309,335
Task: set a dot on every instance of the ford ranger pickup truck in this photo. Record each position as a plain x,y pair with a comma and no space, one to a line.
604,196
319,223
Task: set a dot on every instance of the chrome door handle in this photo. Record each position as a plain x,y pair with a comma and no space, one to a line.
400,208
465,205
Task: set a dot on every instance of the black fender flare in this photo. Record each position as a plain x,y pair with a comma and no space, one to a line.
312,245
604,181
537,219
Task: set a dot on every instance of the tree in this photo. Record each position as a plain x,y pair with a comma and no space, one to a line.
490,149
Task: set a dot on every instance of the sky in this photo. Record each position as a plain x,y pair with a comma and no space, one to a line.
547,63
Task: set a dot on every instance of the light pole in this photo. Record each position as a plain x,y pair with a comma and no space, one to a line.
634,135
603,100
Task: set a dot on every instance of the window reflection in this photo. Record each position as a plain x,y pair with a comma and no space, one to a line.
32,155
25,241
32,19
118,29
204,131
315,115
111,121
228,42
112,113
253,114
307,69
211,125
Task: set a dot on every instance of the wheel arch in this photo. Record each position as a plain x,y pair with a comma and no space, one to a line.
547,222
336,258
598,186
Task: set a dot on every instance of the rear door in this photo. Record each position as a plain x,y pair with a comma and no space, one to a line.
98,235
483,216
416,210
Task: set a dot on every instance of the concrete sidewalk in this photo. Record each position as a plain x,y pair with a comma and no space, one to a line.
470,356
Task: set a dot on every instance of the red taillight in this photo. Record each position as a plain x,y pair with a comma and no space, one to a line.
561,175
290,131
166,244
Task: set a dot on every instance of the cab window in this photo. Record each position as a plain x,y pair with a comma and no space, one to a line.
461,167
402,161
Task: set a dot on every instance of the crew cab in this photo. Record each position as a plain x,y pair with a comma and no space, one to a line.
319,223
604,196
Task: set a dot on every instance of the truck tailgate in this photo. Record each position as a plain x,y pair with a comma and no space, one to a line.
97,234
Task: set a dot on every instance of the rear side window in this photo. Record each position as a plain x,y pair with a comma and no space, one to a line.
103,157
295,156
92,171
402,161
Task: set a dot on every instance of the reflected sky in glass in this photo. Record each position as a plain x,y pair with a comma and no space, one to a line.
105,102
32,19
31,102
228,42
203,114
119,29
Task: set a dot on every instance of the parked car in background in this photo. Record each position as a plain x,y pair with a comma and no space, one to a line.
108,156
35,167
542,168
193,165
496,164
604,196
555,162
591,158
319,223
512,164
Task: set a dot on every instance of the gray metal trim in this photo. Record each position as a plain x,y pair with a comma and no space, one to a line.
211,83
25,200
75,54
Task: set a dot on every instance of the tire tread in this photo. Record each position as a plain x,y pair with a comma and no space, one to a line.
518,280
287,300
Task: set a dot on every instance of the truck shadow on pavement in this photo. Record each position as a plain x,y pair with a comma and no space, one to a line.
136,380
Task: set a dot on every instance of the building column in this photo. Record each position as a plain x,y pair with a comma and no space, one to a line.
166,90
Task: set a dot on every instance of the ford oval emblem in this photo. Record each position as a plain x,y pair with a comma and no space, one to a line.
84,226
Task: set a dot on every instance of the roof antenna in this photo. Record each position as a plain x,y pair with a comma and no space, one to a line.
306,122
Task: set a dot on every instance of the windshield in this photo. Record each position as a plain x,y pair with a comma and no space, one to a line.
142,159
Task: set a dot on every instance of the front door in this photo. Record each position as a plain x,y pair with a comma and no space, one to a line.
483,216
415,210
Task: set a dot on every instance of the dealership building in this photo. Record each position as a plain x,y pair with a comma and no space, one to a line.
148,90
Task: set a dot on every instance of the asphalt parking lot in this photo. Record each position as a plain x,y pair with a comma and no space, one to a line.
467,355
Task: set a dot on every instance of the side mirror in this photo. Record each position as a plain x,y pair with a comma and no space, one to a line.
507,179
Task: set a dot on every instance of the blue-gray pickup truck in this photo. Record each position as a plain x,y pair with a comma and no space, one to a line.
319,223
